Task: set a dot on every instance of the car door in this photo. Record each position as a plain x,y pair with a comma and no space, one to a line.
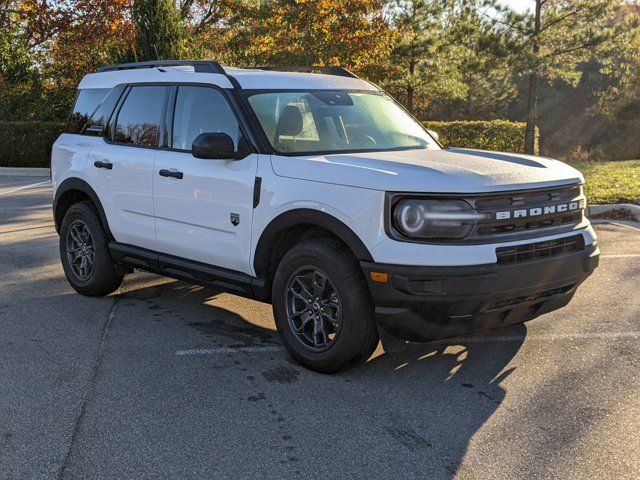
124,164
204,208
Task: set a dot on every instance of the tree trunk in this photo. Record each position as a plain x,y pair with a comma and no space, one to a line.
410,89
410,98
532,115
532,104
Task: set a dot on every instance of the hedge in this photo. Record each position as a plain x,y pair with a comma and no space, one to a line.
498,135
28,144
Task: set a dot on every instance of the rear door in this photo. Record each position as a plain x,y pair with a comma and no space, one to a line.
206,214
123,164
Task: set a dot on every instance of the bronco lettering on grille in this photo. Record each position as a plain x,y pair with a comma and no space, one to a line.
537,211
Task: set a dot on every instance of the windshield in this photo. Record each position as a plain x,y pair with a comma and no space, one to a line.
331,121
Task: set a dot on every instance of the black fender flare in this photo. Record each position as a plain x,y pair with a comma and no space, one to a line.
306,216
74,183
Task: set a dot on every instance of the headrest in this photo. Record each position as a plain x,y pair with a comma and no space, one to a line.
290,122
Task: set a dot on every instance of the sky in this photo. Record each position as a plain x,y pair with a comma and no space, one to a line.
519,6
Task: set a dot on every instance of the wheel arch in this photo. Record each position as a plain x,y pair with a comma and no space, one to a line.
71,191
298,222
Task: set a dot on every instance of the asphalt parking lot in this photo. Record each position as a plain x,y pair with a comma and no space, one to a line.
169,380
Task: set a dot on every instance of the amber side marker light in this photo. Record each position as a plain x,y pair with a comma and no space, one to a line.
379,277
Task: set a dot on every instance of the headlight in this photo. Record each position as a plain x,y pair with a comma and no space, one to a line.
431,219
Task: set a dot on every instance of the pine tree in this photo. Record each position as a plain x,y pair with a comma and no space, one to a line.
422,61
160,34
555,37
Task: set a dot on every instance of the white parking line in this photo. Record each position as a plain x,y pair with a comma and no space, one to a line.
621,255
220,350
24,187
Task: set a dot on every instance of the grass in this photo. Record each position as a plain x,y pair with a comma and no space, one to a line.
611,182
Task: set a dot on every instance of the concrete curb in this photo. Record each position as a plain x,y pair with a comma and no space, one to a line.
604,210
24,172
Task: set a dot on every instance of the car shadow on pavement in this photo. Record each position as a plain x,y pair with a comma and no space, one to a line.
444,391
429,400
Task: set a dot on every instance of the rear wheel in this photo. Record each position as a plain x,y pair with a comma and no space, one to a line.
84,251
322,307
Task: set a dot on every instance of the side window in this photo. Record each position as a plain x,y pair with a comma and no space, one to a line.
86,102
141,116
202,110
98,121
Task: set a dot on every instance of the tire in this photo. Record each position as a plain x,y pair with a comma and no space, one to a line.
350,340
81,226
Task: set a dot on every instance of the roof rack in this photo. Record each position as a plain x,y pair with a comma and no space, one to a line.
338,71
203,66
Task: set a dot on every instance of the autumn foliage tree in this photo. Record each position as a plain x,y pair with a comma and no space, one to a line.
444,59
350,33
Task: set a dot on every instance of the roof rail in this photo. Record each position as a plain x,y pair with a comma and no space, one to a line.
338,71
204,66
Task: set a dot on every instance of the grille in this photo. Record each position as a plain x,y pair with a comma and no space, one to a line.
533,251
527,201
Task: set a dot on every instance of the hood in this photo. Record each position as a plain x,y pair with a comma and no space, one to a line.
453,170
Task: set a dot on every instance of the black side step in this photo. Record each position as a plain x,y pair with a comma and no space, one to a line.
188,270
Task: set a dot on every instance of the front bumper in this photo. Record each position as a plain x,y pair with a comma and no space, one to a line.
427,303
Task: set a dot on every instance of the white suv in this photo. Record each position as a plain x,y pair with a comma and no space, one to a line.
313,190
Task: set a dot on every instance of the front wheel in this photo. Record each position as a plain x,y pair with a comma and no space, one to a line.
322,307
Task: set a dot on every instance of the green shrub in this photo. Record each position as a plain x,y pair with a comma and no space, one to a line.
499,135
27,144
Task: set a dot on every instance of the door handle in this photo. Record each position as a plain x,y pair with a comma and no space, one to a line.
171,173
106,165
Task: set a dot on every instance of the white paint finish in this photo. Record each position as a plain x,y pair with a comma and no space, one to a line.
69,157
433,171
190,218
125,191
403,253
359,209
193,214
152,75
248,79
362,210
263,79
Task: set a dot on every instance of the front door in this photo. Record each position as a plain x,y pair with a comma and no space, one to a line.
204,208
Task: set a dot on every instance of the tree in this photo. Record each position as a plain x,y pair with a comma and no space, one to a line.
28,27
160,33
554,39
350,33
481,55
420,62
100,33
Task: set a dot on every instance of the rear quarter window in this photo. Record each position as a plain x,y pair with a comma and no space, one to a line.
86,102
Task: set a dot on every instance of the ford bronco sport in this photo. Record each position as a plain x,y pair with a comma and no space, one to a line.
313,190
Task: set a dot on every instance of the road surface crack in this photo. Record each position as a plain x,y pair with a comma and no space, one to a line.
89,391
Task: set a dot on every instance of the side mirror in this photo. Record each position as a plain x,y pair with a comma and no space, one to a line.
433,134
218,146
